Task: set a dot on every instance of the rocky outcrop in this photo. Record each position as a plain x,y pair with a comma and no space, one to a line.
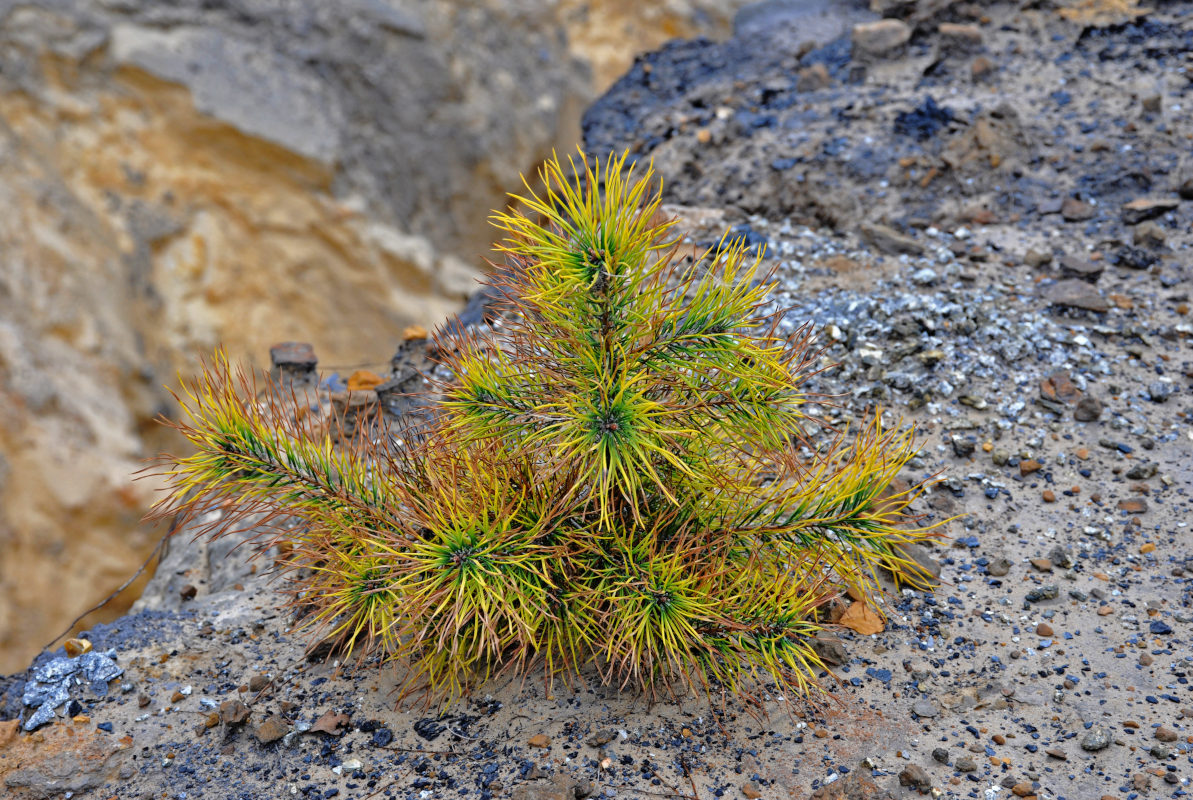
175,176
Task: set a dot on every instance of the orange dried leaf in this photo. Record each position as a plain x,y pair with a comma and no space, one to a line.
861,618
332,723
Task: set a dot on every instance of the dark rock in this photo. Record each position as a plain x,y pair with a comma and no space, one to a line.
1135,258
1088,409
956,39
924,121
1146,208
963,446
1143,470
915,777
1060,557
1042,593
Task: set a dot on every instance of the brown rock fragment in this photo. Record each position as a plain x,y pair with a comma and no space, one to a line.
981,69
234,712
1073,293
1133,505
1146,208
1074,210
813,78
914,776
1166,734
1081,268
884,38
1149,234
1037,258
889,240
1059,388
272,729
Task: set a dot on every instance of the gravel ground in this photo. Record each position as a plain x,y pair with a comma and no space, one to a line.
993,234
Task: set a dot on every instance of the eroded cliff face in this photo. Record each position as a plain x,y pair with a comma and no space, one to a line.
175,177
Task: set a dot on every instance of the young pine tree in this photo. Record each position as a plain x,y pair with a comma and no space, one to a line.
622,473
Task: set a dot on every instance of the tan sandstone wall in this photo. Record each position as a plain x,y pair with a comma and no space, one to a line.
175,177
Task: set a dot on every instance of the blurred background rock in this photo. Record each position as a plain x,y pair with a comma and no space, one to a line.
179,175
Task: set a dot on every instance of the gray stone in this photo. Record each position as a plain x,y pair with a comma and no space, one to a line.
819,21
1042,593
1060,557
1075,293
884,38
888,240
560,787
255,89
1088,409
1143,471
1159,391
998,567
925,707
1096,738
927,569
1082,268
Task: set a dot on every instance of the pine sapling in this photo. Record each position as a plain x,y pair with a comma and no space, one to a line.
621,474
